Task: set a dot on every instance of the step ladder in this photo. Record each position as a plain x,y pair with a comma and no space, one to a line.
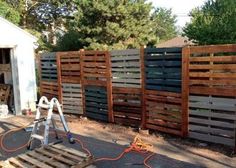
48,122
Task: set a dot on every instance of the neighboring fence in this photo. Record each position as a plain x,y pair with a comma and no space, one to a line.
212,89
126,86
96,83
162,94
183,91
48,75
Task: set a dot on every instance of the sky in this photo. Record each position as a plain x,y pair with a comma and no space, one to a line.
181,8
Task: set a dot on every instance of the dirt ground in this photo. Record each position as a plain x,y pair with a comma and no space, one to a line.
109,140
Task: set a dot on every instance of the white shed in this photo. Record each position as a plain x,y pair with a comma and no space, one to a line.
17,53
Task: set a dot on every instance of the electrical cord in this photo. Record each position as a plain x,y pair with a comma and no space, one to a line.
137,146
10,150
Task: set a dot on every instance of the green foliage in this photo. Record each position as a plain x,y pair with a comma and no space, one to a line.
114,23
214,23
69,42
9,13
164,22
91,24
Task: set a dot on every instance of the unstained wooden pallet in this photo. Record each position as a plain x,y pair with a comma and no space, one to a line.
50,157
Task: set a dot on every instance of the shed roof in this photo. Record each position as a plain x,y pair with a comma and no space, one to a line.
175,42
34,39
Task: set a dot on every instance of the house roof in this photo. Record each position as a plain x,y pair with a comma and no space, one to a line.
19,29
175,42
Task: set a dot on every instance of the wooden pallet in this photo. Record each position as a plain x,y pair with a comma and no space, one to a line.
127,106
72,98
68,64
49,89
4,93
96,106
163,112
163,69
49,157
211,81
126,71
48,67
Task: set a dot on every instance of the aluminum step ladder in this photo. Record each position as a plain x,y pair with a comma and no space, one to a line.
48,122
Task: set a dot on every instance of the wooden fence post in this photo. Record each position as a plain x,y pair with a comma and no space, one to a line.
185,89
109,88
81,54
40,75
58,60
143,92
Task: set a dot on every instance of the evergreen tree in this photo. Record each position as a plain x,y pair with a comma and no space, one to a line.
213,23
9,13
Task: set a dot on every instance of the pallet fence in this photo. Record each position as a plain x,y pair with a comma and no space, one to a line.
212,93
69,79
48,75
126,86
163,91
188,91
96,84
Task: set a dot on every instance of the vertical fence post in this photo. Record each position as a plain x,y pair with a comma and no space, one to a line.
185,89
109,88
59,82
143,92
40,74
81,54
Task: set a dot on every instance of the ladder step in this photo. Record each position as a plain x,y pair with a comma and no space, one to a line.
56,117
45,106
36,136
60,129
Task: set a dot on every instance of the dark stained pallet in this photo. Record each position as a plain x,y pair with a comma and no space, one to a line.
127,106
96,102
50,157
163,69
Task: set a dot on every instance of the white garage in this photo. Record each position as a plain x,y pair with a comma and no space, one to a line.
17,66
